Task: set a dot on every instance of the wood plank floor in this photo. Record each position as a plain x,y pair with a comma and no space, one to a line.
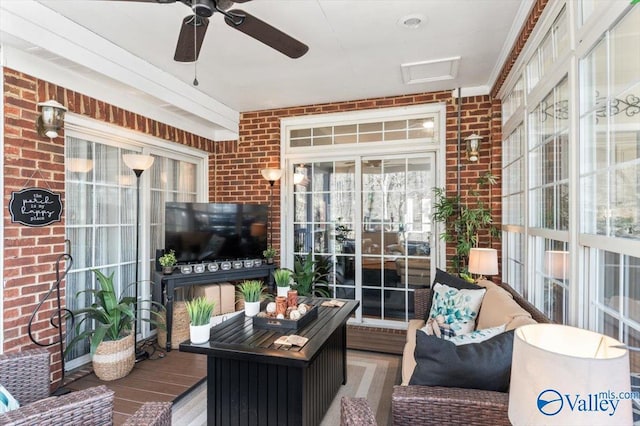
162,379
170,377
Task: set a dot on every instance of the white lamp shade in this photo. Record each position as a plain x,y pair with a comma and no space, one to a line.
483,261
563,375
137,161
271,175
556,263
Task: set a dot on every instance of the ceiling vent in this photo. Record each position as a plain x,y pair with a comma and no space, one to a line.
427,71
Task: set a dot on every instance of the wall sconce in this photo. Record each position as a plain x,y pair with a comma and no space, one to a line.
51,118
473,147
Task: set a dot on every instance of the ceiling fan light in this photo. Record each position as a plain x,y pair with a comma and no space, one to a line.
203,8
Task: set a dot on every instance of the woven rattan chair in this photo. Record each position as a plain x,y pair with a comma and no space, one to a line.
436,405
26,377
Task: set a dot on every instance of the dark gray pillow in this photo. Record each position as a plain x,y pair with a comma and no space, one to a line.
446,278
485,365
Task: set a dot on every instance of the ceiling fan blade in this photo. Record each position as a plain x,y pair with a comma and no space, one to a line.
190,39
271,36
150,1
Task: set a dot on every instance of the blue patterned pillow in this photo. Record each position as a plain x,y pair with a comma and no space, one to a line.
458,307
7,402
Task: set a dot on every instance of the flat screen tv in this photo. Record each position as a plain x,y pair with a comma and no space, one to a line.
202,232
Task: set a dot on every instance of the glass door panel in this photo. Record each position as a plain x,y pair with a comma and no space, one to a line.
396,234
369,219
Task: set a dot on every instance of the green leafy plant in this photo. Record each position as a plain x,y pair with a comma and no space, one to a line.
282,277
252,291
168,259
199,310
270,253
311,275
108,317
464,219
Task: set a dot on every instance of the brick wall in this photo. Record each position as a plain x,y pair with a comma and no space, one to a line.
30,160
235,169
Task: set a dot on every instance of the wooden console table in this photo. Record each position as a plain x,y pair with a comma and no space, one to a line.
251,381
169,284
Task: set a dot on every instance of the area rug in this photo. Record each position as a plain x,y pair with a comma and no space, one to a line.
369,375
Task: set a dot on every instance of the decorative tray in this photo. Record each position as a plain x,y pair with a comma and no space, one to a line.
262,320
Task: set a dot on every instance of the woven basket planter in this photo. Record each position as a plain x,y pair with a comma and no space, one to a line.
114,359
179,326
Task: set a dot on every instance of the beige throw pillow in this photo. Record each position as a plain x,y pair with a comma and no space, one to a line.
498,307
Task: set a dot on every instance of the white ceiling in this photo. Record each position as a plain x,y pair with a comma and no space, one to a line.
356,49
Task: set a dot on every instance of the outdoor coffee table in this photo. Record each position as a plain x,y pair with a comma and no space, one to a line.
252,381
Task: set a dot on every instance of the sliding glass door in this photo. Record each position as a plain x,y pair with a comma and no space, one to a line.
368,221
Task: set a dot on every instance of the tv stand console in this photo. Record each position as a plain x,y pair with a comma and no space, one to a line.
169,283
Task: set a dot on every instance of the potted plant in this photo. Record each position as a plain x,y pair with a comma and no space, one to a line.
253,292
464,219
310,276
270,253
199,310
282,278
168,261
108,323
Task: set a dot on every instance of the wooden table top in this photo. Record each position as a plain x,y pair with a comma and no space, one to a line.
238,338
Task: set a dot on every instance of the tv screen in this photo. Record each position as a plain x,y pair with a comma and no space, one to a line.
201,232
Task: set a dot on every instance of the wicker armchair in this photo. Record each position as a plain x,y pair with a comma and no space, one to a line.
426,405
26,376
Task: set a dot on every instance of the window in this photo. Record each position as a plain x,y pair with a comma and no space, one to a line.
554,46
513,188
548,160
580,127
100,208
610,180
367,217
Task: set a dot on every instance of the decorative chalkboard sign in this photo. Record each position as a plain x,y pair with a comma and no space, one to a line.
35,207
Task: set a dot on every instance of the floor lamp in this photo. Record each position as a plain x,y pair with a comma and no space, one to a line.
271,175
138,163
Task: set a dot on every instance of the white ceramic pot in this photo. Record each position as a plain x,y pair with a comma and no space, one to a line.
251,309
282,291
199,333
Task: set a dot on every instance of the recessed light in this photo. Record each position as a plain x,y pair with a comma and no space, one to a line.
412,21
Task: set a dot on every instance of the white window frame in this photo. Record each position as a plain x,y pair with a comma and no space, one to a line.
104,133
290,156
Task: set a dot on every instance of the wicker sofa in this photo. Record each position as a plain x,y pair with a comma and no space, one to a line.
26,376
426,405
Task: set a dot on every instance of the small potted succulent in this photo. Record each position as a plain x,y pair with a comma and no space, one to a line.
270,253
199,310
168,262
282,278
253,292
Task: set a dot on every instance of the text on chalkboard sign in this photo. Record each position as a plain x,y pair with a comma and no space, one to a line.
35,207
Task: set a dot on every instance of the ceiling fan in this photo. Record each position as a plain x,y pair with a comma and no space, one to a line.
194,28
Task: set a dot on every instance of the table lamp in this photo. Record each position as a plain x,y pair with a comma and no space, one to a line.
483,261
562,375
